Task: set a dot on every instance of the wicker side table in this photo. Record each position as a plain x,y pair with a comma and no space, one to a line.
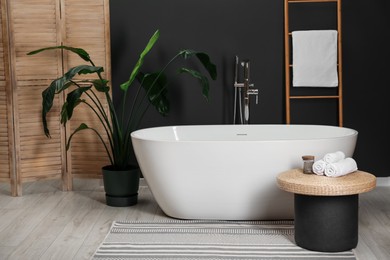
326,208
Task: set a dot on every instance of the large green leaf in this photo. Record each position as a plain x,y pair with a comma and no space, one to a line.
155,87
204,59
72,101
81,52
134,73
82,69
101,85
48,94
59,85
47,103
209,66
64,82
204,82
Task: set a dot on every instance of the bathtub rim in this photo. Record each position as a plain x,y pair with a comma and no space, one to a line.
135,134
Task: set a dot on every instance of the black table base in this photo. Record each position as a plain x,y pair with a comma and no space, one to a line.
326,223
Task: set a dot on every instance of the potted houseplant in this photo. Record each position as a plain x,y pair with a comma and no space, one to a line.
117,124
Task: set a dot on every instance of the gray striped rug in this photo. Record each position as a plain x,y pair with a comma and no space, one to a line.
198,239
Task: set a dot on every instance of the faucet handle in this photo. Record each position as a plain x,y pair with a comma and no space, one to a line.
254,92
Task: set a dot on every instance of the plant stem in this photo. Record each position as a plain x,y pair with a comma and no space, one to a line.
109,133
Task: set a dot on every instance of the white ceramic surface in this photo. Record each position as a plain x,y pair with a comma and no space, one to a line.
228,172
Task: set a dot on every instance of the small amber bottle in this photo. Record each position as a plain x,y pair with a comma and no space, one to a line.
308,161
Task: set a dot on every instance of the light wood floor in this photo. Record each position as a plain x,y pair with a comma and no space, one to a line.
47,223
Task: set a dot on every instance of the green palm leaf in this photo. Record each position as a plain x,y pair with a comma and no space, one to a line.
82,53
134,73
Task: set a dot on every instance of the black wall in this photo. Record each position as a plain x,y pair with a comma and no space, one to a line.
253,29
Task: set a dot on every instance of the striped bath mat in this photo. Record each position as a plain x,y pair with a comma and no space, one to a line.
198,239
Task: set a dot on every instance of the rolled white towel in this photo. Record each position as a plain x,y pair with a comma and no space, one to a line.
319,167
341,167
334,157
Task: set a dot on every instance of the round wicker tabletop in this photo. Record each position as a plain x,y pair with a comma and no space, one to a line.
311,184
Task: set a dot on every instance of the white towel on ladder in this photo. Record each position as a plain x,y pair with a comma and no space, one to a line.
314,57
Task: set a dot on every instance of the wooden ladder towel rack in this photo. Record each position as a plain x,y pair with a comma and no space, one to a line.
289,66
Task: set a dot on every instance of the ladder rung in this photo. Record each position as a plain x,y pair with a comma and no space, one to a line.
290,33
292,65
311,1
307,97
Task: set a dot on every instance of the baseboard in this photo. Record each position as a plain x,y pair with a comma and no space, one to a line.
383,181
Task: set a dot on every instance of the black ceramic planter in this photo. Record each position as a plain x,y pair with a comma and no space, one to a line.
122,186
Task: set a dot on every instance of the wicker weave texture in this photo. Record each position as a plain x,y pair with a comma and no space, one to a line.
311,184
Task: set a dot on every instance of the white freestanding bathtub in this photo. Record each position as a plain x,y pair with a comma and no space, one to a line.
228,172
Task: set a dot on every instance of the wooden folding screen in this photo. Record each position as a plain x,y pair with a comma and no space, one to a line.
289,66
86,24
6,133
33,24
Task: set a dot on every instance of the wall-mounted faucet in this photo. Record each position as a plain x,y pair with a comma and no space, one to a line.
242,92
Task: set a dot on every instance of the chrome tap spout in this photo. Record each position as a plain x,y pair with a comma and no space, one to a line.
246,89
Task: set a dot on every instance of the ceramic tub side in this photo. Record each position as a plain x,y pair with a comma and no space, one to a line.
229,180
